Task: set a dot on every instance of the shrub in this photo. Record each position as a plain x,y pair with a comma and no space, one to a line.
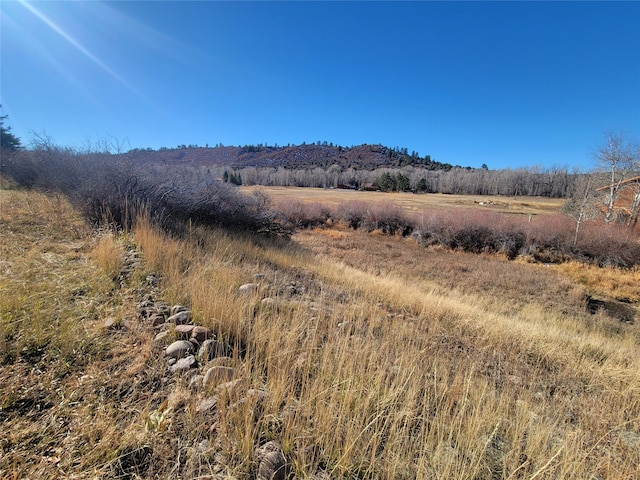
116,189
299,214
352,213
388,218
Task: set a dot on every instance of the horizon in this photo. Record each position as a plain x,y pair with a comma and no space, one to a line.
506,84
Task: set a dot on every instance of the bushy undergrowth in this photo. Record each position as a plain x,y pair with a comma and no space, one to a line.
116,190
548,238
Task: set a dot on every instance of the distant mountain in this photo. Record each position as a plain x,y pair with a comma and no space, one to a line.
367,157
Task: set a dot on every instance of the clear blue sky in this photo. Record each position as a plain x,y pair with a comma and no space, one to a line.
508,84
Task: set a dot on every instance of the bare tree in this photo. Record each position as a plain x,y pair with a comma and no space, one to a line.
582,205
615,156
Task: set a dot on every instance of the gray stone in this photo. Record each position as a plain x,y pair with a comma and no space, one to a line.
231,390
184,364
177,308
162,338
210,349
217,375
261,451
200,334
180,318
184,331
112,324
156,320
179,349
273,467
208,403
249,288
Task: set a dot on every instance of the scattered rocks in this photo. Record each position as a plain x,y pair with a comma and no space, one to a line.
179,349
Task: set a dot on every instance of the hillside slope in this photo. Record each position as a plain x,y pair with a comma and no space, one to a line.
292,157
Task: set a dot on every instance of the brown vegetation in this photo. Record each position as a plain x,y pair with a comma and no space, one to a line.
380,358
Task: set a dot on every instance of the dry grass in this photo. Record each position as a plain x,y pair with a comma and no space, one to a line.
414,203
611,282
380,359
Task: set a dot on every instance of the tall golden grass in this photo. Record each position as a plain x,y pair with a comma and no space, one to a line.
384,375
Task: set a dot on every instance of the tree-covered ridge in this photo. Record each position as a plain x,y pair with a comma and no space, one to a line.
318,154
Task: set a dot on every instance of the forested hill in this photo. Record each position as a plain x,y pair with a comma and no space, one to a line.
368,157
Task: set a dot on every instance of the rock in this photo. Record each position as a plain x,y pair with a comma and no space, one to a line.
184,364
184,331
200,334
163,309
273,467
262,451
210,349
179,349
208,403
177,309
162,338
230,389
156,320
145,305
112,324
162,327
248,288
171,362
217,375
180,318
268,301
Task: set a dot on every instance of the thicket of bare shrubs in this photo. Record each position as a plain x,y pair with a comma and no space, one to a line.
117,189
548,239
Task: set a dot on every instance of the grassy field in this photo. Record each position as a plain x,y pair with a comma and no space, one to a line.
415,203
376,358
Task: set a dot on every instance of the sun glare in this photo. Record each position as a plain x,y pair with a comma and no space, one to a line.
75,43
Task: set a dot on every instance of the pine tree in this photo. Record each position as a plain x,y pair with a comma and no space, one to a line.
7,139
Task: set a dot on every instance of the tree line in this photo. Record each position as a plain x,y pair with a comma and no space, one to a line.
554,182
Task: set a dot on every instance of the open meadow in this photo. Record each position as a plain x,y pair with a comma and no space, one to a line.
346,354
415,203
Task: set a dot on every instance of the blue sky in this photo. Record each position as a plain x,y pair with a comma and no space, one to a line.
508,84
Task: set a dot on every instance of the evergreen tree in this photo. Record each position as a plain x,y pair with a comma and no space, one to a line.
7,139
